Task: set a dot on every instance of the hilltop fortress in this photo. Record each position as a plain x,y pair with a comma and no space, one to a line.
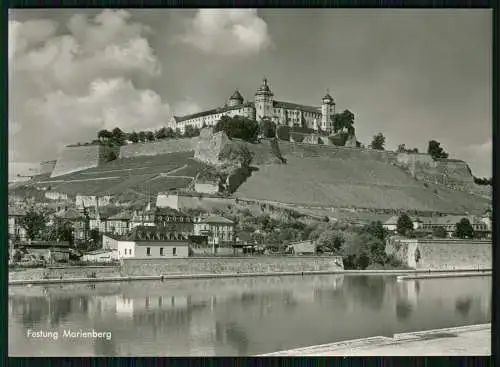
314,175
264,107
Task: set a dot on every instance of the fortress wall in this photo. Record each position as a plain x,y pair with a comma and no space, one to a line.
158,147
442,254
451,172
74,159
183,202
78,158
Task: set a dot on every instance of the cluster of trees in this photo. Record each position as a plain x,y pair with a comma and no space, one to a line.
378,142
403,149
344,121
118,137
463,229
483,181
238,127
435,150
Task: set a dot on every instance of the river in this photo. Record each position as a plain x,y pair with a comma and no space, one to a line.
235,317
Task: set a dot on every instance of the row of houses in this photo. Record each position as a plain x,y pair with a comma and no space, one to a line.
481,225
148,232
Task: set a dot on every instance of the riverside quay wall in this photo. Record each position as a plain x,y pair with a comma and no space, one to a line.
230,265
441,254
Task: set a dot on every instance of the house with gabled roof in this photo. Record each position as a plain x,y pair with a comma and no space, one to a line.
147,242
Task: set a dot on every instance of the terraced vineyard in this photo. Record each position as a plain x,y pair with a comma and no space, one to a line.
354,183
128,176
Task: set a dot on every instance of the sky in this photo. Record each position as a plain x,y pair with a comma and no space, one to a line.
412,74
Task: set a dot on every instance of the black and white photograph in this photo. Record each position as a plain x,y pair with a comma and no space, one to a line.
249,182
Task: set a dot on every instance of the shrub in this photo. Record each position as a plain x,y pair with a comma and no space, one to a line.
267,128
283,133
237,178
238,127
439,232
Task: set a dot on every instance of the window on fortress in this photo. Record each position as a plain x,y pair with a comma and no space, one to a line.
148,251
174,251
161,251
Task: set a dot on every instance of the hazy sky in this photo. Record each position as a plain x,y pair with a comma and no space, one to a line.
413,75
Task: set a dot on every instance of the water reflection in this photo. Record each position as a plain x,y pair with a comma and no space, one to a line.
240,316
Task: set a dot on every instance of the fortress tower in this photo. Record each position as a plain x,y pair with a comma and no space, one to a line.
263,102
235,100
327,112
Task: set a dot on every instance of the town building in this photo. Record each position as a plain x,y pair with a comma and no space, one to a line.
218,230
301,248
148,242
264,106
449,223
481,225
166,218
391,224
16,231
120,223
49,251
76,219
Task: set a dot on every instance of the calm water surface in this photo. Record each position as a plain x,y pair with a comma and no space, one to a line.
241,316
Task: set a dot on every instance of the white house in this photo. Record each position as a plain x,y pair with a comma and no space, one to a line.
148,242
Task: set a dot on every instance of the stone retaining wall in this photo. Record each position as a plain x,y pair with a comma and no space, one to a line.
210,265
446,254
65,272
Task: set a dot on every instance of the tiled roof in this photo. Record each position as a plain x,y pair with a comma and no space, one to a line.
295,106
154,234
97,252
451,220
215,219
394,220
211,112
237,95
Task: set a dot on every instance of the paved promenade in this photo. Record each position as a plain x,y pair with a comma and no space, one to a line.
461,341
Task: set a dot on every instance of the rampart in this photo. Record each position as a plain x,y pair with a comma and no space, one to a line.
183,201
442,254
231,265
158,147
81,157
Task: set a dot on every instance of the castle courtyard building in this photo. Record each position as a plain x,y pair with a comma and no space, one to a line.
264,107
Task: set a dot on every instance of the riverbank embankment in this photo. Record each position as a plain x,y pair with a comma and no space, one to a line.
458,341
108,276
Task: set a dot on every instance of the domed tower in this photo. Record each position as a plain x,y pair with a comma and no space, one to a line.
264,102
327,112
235,100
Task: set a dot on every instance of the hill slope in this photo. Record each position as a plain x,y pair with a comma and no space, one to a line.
361,183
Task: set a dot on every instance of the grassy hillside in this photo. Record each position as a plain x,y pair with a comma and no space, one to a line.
362,183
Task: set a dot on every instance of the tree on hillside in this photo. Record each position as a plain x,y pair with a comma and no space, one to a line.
150,136
110,156
34,222
267,128
191,131
378,142
463,229
161,133
142,136
104,134
404,224
403,149
436,151
239,154
238,127
376,229
133,137
330,241
439,232
344,120
483,181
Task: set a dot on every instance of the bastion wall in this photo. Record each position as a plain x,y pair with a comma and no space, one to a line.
442,254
